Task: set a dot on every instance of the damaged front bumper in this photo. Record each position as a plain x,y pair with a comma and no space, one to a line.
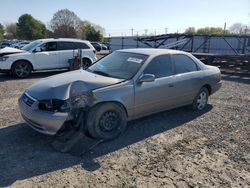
42,121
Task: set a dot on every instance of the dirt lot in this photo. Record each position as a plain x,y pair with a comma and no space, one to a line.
177,148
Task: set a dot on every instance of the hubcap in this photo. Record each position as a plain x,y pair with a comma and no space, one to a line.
22,70
109,121
202,100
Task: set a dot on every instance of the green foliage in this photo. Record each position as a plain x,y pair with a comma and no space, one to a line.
1,31
88,32
11,31
30,28
65,23
190,30
49,34
211,30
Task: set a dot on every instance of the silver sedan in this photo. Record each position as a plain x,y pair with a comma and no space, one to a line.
122,86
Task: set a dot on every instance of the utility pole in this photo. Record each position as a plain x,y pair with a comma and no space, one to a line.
132,32
246,30
146,31
225,26
166,30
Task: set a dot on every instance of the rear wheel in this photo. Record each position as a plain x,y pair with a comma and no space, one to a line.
106,121
200,101
21,69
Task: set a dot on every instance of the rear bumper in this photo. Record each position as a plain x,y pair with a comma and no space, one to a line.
216,87
44,122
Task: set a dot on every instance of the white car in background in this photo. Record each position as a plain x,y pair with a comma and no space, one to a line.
20,45
45,54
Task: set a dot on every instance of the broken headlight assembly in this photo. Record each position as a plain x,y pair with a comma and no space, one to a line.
57,105
53,105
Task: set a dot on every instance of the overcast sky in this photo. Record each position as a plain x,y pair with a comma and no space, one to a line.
119,16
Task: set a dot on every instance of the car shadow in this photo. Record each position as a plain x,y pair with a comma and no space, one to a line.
25,153
34,75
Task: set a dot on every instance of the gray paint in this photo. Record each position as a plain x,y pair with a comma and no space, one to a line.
139,99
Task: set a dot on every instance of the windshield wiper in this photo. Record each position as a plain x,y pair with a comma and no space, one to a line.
101,73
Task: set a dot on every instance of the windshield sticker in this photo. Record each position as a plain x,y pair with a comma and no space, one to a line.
134,60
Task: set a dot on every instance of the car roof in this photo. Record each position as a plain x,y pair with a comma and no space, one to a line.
62,39
152,51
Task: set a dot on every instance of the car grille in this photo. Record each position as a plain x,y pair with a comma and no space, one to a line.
28,100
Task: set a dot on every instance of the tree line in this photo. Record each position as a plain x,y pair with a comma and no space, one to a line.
64,23
67,24
237,28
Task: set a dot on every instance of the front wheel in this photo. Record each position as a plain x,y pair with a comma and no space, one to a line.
106,121
200,101
21,69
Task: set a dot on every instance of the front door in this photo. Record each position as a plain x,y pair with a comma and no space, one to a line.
48,57
151,97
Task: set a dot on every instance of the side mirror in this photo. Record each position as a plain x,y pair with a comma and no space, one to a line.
147,78
37,49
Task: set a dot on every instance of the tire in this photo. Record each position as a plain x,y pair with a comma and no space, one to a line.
86,63
200,101
21,69
106,121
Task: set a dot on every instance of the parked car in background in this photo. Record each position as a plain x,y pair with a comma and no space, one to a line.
107,44
103,46
97,46
20,45
4,44
122,86
45,54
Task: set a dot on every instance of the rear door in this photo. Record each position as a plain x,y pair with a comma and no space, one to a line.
151,97
48,57
189,78
67,51
86,50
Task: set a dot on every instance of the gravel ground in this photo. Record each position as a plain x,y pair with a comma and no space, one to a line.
177,148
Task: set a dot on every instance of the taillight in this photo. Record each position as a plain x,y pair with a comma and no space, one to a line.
94,51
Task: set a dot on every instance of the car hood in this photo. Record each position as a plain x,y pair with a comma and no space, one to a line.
60,86
9,50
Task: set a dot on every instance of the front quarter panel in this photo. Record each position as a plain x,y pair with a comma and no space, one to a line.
122,93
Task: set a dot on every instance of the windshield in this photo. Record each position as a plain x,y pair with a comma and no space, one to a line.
31,45
121,65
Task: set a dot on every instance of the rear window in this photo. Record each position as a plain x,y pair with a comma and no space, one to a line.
66,46
81,45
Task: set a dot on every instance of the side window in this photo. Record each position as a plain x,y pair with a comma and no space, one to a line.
160,66
43,47
66,46
184,64
51,46
81,45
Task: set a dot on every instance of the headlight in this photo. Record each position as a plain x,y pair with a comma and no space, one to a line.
53,105
4,58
